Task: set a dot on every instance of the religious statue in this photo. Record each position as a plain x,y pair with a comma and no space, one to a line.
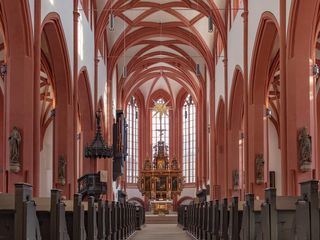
161,164
98,118
62,170
147,164
259,169
235,179
174,164
304,149
14,143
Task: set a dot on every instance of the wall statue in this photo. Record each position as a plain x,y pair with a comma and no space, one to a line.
304,149
259,169
62,171
174,164
14,144
147,164
235,179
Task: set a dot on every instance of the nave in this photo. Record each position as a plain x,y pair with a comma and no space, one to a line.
161,232
110,109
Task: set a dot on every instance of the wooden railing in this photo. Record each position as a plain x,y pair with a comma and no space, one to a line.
22,217
275,218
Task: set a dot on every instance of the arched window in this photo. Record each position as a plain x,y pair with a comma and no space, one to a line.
133,140
160,125
189,140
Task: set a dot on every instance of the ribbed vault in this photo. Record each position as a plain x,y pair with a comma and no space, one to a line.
158,44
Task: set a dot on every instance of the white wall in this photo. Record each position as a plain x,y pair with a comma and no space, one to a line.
188,192
86,49
65,10
134,193
46,163
102,78
256,9
289,3
235,50
85,35
274,155
219,83
31,6
114,92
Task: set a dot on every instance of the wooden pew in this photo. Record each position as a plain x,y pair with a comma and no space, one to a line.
18,219
108,220
251,220
209,220
224,219
52,217
278,216
235,218
205,220
91,220
307,213
22,217
113,221
7,216
102,220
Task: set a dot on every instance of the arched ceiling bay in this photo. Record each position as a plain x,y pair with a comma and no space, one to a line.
158,43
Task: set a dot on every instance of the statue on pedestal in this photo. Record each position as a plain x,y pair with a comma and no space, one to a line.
14,143
62,171
304,149
147,164
259,169
235,179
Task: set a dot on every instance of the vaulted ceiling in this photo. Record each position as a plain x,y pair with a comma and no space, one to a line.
160,42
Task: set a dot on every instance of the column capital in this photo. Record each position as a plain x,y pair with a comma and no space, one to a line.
76,16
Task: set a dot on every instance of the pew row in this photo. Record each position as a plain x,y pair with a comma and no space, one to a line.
22,217
274,218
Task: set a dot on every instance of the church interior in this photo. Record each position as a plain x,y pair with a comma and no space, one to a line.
159,119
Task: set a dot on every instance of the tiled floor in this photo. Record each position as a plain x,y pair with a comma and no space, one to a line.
161,232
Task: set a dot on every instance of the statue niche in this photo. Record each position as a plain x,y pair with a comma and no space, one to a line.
304,149
14,144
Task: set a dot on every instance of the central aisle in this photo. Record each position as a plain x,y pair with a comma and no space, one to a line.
161,232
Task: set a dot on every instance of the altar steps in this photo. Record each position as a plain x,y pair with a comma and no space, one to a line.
166,219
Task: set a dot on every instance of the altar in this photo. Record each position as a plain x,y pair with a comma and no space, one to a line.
161,207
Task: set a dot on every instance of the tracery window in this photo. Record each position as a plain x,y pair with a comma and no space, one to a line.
160,125
133,140
189,140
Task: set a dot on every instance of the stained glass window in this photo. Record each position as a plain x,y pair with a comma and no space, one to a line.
133,141
189,139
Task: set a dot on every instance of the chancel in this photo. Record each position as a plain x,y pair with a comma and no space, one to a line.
161,180
159,119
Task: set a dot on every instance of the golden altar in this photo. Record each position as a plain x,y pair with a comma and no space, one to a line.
161,207
161,180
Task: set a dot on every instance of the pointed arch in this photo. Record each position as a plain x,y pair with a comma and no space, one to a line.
264,96
221,165
55,101
235,149
85,120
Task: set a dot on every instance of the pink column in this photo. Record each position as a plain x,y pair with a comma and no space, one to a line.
37,57
75,94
